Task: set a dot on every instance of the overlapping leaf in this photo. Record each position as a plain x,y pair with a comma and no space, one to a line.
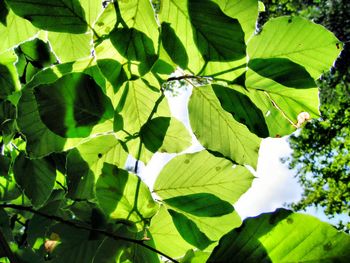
85,162
54,15
283,236
123,195
218,131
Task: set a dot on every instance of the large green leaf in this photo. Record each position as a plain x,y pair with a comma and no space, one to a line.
165,134
202,173
36,177
123,195
206,33
85,162
73,105
54,15
307,44
12,24
40,139
201,204
189,230
218,131
283,236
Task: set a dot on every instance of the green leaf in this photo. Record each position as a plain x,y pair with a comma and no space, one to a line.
55,15
283,71
163,230
202,173
307,44
189,230
9,190
173,46
201,204
13,24
36,177
165,134
123,195
135,46
206,33
242,108
85,162
73,105
217,36
246,12
283,236
69,47
136,100
8,74
195,256
218,131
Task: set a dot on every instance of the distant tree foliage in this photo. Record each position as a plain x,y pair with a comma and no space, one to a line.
321,148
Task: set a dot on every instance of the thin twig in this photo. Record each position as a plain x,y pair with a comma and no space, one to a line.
73,224
6,249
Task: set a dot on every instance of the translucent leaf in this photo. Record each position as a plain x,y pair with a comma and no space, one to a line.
70,47
123,195
36,177
246,12
189,230
218,131
85,162
283,236
242,109
206,33
195,256
13,24
8,74
307,44
163,230
201,204
202,173
73,105
136,100
55,15
40,139
165,134
9,190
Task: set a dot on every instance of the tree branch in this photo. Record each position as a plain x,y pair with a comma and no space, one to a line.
75,225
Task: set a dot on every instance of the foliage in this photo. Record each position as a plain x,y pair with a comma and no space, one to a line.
82,90
321,149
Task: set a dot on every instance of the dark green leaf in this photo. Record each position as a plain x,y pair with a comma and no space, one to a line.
3,12
189,230
54,15
36,177
283,71
173,46
201,204
73,105
242,109
217,36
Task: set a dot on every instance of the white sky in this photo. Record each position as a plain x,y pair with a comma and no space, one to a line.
273,186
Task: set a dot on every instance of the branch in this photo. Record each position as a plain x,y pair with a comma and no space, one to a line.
184,77
73,224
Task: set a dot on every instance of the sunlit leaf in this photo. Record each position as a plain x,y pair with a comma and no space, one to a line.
55,15
123,195
165,134
189,230
85,162
218,131
283,236
202,173
201,204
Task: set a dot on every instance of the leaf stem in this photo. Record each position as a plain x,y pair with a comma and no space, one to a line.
73,224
